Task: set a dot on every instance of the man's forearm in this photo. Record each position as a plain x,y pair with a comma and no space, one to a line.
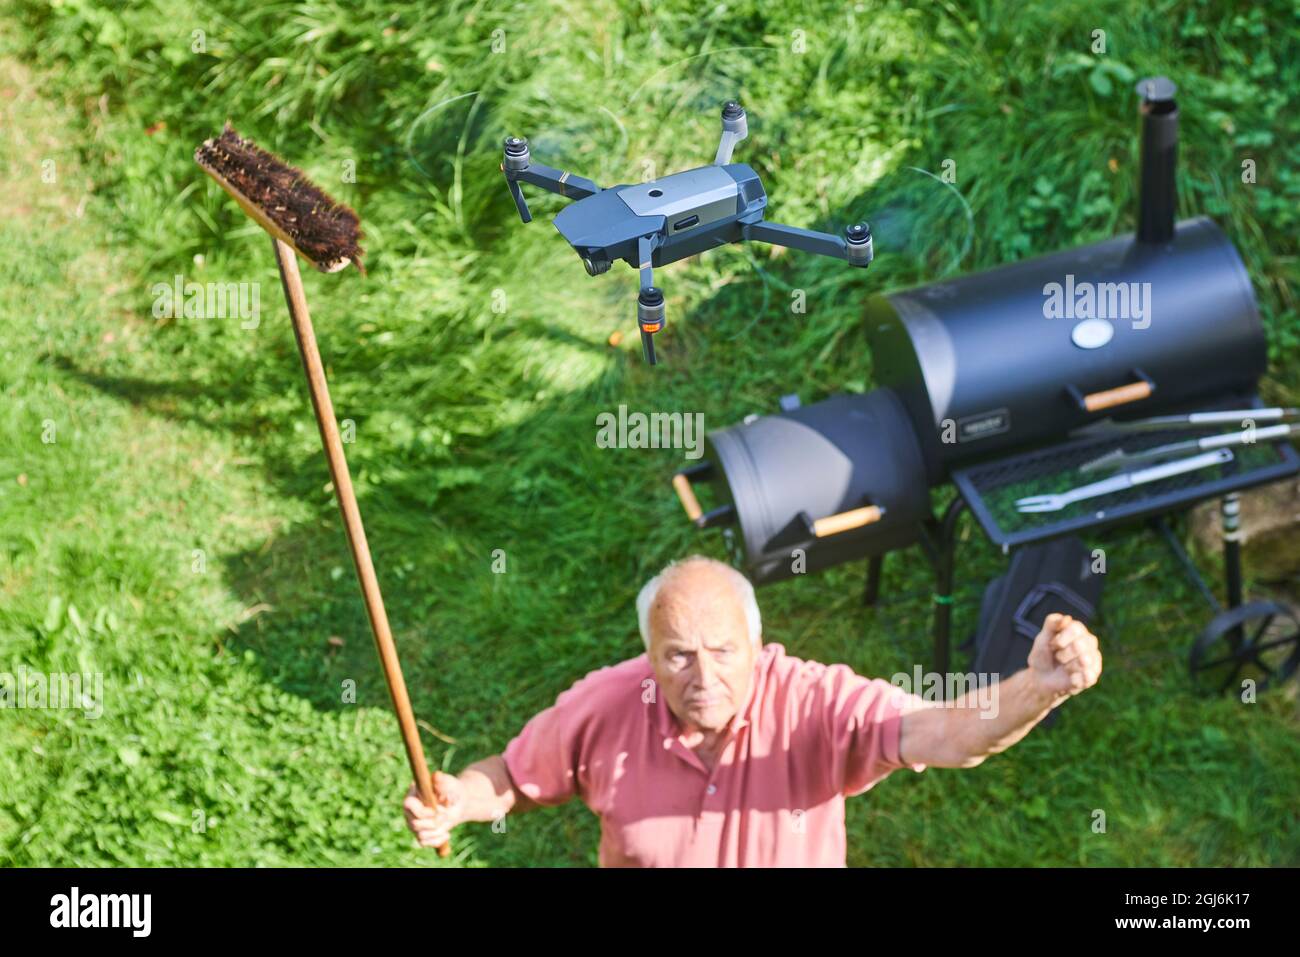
1064,660
963,732
489,792
1020,703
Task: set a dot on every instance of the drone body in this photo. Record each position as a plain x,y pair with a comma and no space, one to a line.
685,213
667,219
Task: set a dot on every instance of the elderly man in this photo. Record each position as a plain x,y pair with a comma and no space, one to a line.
713,749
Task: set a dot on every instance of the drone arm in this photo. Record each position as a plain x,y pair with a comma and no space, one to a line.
725,146
823,244
645,247
557,181
518,167
855,246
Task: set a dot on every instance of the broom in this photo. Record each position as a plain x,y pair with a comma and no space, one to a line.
301,218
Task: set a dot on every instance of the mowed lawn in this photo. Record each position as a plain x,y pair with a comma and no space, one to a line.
165,517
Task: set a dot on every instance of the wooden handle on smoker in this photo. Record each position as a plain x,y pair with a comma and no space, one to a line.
686,495
330,439
847,521
1121,395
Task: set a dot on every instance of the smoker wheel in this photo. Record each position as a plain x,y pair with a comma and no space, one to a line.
1259,640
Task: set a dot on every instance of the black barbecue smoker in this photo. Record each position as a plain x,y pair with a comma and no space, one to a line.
1136,358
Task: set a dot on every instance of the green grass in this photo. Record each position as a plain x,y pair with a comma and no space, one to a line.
178,536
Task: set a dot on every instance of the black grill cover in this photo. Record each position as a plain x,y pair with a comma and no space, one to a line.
981,368
820,460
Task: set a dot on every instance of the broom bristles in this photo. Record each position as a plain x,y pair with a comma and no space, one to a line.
284,201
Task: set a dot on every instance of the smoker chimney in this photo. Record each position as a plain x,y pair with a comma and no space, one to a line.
1158,195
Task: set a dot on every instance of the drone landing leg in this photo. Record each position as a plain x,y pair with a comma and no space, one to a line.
650,301
520,203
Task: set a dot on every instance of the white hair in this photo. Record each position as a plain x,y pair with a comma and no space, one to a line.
744,591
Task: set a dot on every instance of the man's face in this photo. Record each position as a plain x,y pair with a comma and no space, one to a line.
700,648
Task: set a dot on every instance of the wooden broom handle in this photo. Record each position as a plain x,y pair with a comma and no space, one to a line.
330,439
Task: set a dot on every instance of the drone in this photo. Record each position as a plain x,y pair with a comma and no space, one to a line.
661,221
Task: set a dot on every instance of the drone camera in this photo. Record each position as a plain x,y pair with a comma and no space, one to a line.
595,266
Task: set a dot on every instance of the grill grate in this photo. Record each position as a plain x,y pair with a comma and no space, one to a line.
992,488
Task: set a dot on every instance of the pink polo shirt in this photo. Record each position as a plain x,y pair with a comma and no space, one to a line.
808,736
